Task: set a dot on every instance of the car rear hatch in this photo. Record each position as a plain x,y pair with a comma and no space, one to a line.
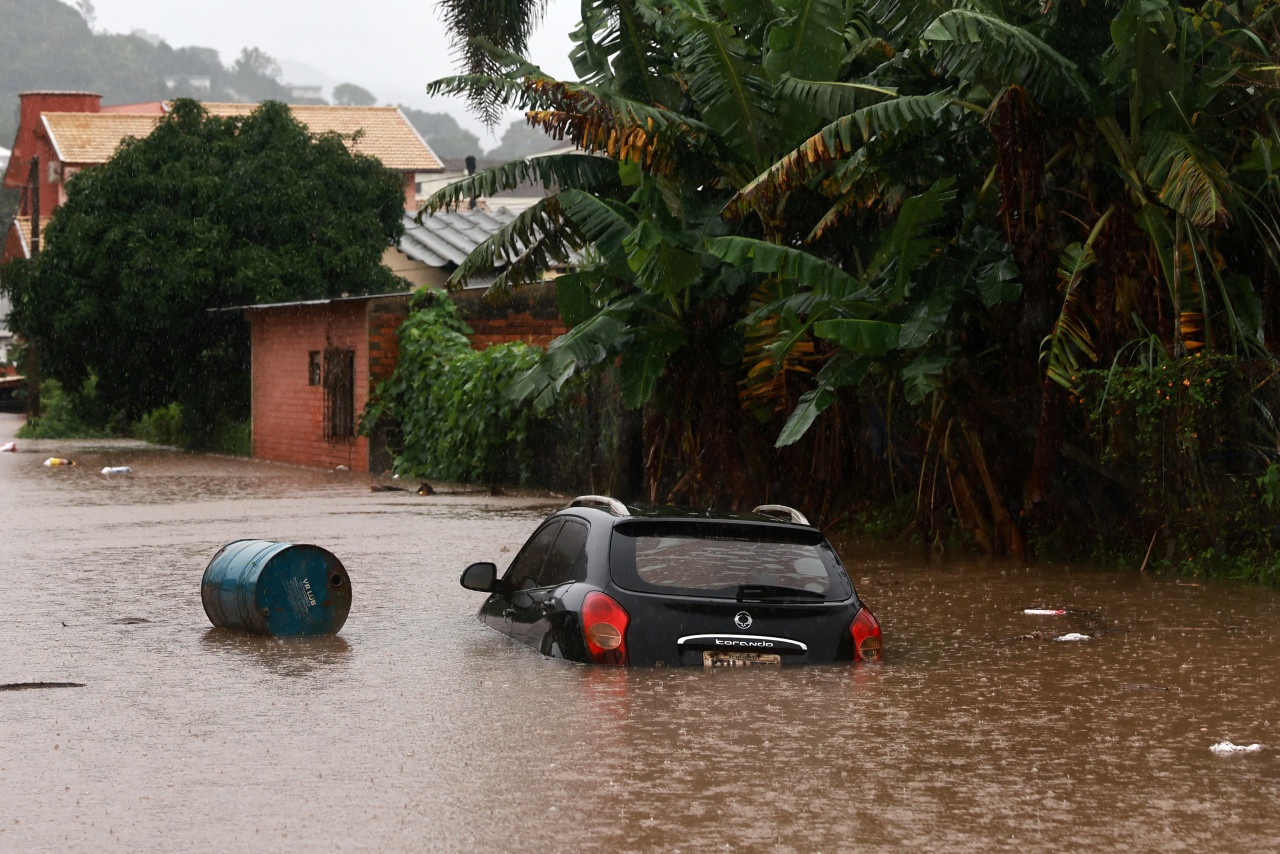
717,593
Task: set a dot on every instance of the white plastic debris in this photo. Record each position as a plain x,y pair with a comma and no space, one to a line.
116,470
9,448
1224,748
1072,636
1044,612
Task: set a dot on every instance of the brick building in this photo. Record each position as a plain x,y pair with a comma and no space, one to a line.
61,133
316,362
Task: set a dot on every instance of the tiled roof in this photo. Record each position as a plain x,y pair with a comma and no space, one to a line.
89,138
447,237
388,135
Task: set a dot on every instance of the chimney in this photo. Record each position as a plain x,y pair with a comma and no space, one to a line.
26,144
471,170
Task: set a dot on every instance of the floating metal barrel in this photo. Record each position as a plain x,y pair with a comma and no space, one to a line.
278,589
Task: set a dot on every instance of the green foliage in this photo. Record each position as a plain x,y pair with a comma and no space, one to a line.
231,437
61,417
1269,487
203,214
450,403
1164,423
964,206
161,426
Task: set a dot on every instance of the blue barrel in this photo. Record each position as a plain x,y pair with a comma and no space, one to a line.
278,589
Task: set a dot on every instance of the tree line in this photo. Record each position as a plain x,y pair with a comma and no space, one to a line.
938,256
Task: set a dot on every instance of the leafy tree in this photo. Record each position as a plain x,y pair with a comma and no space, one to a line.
836,207
688,104
351,95
205,213
520,140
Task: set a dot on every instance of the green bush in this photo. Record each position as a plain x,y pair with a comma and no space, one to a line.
449,400
1193,440
231,437
161,426
63,413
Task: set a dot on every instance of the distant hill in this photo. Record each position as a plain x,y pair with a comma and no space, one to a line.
45,44
443,134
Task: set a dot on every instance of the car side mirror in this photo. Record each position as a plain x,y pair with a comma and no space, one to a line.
482,577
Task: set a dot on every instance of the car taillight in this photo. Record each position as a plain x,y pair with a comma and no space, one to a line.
866,636
605,625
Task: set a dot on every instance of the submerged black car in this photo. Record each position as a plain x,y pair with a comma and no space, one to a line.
601,582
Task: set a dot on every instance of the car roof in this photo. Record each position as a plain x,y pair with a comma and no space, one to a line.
601,508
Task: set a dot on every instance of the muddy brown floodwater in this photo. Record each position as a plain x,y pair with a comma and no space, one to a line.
419,729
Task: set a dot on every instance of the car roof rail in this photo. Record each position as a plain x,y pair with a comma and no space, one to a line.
782,511
613,505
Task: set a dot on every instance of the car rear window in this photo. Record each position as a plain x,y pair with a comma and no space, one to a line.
730,561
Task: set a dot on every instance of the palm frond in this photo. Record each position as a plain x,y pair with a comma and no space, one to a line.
616,48
784,262
974,46
488,39
605,225
536,240
809,41
842,369
550,172
908,246
832,99
1071,337
729,89
836,141
1187,179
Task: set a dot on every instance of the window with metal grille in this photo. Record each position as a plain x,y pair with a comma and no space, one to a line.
339,394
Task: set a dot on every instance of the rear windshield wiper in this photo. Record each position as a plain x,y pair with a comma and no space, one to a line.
761,592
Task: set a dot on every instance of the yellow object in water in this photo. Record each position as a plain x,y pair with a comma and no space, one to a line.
59,461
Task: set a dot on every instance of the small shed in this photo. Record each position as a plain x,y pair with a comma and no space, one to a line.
316,362
314,366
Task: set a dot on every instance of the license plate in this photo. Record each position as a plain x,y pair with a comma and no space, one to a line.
739,659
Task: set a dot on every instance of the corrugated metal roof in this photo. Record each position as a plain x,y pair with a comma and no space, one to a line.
445,238
306,302
91,138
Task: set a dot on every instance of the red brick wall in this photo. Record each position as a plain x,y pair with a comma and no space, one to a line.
385,317
514,327
287,412
31,140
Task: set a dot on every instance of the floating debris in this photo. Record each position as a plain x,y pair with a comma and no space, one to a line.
24,686
130,621
1072,636
1044,612
59,461
1224,748
117,470
9,448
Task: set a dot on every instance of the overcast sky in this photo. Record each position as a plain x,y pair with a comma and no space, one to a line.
393,48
